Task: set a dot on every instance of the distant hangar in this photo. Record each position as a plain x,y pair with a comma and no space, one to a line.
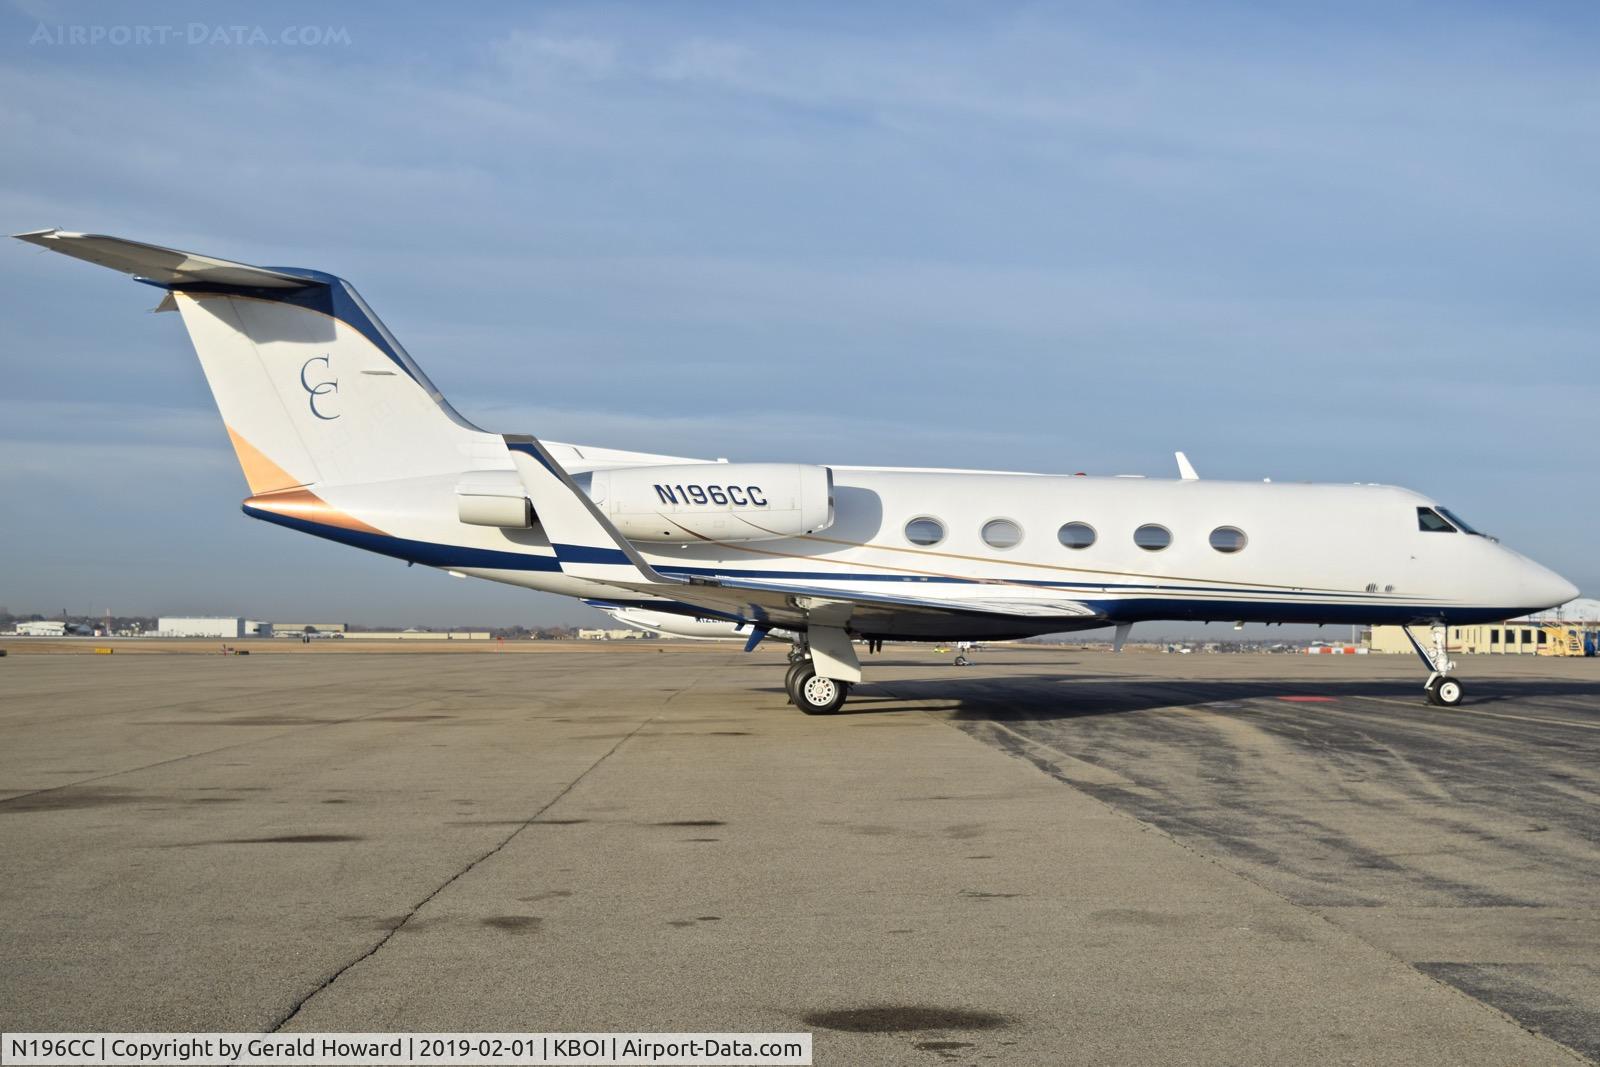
1573,629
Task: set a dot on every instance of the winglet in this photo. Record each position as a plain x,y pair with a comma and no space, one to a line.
1186,469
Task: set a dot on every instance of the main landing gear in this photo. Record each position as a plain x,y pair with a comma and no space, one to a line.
823,666
1443,689
812,693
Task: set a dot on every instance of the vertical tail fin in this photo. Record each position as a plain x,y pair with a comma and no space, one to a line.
311,386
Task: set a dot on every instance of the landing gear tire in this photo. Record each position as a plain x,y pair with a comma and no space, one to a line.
1445,691
788,679
962,661
816,695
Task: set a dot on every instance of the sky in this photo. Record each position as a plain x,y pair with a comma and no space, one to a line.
1351,242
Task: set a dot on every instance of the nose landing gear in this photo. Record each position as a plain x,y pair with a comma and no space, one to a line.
1443,689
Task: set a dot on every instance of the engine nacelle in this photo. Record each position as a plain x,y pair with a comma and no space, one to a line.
714,501
493,498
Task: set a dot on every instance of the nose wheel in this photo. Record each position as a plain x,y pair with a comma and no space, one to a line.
1443,689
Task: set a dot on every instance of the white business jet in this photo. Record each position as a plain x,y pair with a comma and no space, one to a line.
341,435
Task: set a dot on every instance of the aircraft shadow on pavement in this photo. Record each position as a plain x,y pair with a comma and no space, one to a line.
1070,696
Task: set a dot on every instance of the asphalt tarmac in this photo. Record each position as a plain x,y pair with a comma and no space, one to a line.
1054,856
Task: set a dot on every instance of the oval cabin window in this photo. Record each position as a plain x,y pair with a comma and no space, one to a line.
924,531
1001,533
1076,535
1228,539
1152,538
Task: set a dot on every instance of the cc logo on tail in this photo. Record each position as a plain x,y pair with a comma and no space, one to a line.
316,392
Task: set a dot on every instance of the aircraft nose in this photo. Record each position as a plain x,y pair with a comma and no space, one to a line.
1546,588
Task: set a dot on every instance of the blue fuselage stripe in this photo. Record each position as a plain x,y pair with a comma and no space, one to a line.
589,554
1128,606
428,552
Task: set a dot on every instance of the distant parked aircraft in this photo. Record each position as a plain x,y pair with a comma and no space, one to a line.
693,627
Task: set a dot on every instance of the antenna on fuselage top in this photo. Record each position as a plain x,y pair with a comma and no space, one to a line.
1186,469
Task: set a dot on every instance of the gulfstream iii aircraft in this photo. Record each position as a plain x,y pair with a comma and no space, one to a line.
341,435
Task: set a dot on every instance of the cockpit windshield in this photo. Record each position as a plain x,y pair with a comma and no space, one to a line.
1463,527
1428,521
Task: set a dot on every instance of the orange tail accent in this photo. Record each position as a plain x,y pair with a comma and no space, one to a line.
276,490
260,473
304,504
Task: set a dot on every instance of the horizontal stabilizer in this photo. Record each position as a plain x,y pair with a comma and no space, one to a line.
164,266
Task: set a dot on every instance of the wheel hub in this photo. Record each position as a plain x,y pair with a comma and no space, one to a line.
820,691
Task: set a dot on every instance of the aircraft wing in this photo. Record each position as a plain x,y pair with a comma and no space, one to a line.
785,603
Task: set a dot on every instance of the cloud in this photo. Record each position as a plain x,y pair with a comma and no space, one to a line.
526,54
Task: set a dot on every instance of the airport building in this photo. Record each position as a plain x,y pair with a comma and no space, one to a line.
42,628
1573,629
612,635
200,626
231,627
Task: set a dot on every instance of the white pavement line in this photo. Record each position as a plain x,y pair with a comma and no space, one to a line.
294,1010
